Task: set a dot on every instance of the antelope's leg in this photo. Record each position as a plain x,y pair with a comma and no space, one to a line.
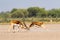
18,27
13,27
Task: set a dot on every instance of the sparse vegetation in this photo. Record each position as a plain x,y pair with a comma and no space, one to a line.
31,14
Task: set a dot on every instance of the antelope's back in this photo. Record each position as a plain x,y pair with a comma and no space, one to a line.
15,21
37,22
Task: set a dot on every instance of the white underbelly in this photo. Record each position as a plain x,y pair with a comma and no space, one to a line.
16,26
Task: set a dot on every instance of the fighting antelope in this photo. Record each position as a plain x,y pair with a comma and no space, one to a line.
16,23
36,23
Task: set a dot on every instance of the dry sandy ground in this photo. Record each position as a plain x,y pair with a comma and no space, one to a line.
52,32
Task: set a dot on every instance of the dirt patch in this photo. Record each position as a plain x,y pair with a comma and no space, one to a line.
53,33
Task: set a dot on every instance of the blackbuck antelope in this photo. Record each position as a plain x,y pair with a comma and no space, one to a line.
39,24
16,24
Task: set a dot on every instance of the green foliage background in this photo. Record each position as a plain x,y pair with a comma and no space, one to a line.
31,14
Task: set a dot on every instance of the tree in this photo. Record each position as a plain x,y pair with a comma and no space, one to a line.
13,10
42,13
20,13
33,11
